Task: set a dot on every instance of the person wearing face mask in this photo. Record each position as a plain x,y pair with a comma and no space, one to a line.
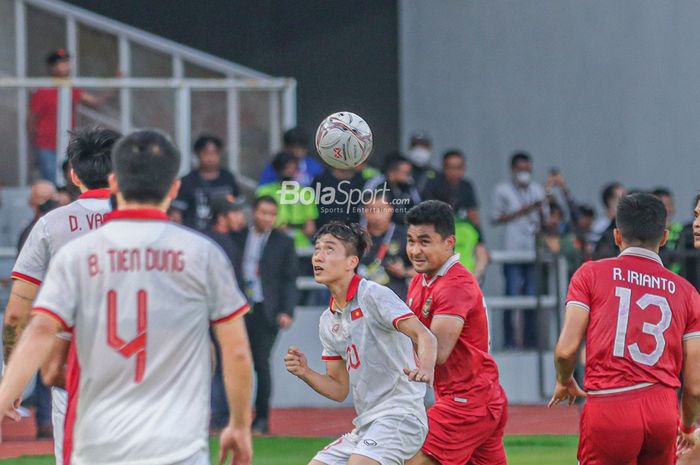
419,154
518,205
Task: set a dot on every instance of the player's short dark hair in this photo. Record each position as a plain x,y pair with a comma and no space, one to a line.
586,210
519,156
90,155
295,136
355,239
609,192
206,139
662,192
641,219
264,199
146,163
439,214
453,153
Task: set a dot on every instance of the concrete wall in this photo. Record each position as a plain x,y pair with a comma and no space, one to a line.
603,90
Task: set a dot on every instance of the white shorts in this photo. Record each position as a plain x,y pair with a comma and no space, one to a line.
389,440
59,405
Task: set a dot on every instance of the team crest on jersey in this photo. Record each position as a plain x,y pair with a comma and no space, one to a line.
426,307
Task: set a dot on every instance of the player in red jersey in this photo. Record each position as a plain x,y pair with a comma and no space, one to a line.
641,323
466,424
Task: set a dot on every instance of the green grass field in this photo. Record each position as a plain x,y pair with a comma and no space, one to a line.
522,450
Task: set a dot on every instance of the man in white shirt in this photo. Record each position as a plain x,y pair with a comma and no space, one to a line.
139,295
368,336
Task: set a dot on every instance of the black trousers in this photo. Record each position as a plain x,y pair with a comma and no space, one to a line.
262,335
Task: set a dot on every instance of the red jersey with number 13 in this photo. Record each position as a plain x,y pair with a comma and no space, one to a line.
640,313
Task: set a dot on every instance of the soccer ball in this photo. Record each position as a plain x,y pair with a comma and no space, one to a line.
344,140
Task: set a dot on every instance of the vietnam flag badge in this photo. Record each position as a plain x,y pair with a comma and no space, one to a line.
355,314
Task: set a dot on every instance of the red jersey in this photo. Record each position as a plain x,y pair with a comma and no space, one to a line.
453,292
44,107
640,313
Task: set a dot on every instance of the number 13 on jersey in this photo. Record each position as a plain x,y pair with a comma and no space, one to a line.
656,330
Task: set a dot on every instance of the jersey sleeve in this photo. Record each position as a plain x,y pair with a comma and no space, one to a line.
456,300
33,260
58,296
226,301
386,307
692,328
580,288
330,351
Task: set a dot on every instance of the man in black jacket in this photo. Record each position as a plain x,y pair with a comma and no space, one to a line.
270,268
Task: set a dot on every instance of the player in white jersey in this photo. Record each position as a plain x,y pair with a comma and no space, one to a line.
368,336
139,295
89,153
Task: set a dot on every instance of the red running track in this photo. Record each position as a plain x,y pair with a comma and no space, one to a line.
18,438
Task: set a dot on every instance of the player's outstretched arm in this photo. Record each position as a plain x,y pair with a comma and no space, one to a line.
32,350
237,368
690,402
572,334
17,312
335,384
426,344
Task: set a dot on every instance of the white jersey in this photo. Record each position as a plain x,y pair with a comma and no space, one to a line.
55,229
365,336
139,295
51,232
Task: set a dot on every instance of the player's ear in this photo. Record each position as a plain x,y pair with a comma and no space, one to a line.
451,239
353,262
74,178
174,189
664,238
618,238
113,185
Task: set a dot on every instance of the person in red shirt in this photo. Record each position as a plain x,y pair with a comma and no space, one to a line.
43,110
641,323
467,421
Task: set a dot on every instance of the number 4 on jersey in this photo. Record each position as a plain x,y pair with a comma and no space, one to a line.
657,330
136,346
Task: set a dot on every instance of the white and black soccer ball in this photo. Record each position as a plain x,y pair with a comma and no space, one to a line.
344,140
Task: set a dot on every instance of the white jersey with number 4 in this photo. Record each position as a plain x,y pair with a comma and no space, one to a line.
51,232
364,334
139,295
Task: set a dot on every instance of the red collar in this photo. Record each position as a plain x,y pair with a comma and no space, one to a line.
352,291
96,194
137,214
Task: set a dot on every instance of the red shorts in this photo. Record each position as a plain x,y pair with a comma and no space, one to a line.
460,434
636,427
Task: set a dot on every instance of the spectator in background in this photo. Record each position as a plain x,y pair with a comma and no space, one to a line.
220,231
402,193
296,216
668,252
451,187
518,205
43,111
344,208
296,142
270,269
209,180
42,199
611,195
419,154
386,261
691,247
575,244
367,171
